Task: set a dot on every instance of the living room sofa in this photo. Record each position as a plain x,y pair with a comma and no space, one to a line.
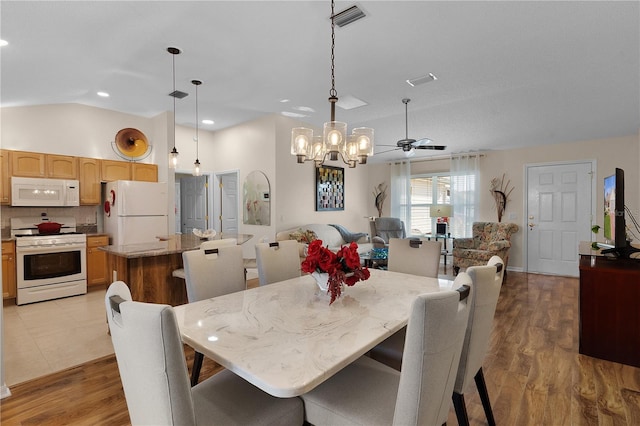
330,236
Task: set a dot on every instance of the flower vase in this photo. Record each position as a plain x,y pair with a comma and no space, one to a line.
322,279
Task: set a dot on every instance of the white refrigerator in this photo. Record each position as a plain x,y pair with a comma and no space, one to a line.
135,212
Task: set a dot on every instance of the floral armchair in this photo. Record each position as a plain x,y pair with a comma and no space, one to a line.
489,239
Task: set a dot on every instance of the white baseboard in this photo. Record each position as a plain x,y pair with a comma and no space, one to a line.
4,391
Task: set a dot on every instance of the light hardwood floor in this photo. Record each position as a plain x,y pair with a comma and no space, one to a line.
534,373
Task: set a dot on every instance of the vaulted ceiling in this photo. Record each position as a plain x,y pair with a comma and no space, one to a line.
509,74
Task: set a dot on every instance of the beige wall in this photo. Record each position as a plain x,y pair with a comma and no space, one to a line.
622,152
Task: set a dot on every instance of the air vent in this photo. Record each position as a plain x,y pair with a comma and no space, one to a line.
178,94
348,16
421,80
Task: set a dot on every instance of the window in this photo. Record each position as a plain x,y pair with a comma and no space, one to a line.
427,191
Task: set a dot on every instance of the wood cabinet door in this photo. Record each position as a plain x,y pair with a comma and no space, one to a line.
145,172
5,176
89,172
115,170
97,271
27,164
62,166
9,289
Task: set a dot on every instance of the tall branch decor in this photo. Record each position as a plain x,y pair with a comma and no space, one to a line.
500,191
380,194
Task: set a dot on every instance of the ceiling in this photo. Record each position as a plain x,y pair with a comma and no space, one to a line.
510,74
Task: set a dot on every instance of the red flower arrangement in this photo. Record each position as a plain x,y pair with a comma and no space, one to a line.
342,267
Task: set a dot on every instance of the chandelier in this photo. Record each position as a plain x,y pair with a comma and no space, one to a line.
334,142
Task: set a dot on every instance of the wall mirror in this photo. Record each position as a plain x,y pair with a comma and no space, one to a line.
257,199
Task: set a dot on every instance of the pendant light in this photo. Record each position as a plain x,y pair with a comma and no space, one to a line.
196,164
173,155
353,149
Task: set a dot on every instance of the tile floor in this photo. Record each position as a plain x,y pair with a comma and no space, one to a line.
46,337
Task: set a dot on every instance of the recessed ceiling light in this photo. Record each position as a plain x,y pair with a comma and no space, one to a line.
421,80
284,101
208,122
3,42
292,114
103,94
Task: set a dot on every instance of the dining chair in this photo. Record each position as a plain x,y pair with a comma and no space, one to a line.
411,256
217,268
277,261
487,281
367,392
154,376
179,273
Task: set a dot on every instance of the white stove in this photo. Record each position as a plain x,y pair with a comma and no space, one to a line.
49,266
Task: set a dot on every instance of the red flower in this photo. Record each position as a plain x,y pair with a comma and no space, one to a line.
342,267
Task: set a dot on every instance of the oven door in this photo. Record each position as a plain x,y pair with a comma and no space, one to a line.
37,266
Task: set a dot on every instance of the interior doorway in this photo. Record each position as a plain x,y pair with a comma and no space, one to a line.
192,202
560,208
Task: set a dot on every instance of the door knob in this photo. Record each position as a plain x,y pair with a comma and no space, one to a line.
531,225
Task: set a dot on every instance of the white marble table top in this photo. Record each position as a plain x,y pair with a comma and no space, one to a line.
286,339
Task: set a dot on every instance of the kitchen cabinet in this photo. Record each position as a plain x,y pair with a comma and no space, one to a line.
61,166
5,176
145,172
97,271
89,173
115,170
27,164
9,289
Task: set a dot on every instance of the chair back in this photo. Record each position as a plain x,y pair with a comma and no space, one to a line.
389,227
431,354
416,256
151,361
215,269
487,281
277,261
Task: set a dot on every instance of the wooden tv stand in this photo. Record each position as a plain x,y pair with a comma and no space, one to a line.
609,307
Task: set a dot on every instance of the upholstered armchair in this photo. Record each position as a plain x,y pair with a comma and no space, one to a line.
384,228
488,239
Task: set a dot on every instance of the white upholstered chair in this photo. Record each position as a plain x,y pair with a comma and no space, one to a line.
487,281
179,273
411,256
215,269
154,374
416,256
277,261
367,392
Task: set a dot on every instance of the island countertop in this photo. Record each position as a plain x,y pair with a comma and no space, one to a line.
167,244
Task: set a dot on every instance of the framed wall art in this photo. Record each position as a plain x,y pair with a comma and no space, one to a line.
329,188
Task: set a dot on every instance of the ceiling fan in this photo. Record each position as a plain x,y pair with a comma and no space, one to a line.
409,145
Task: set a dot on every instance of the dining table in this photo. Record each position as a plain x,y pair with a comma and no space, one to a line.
286,338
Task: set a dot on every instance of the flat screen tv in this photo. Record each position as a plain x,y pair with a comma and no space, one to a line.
614,222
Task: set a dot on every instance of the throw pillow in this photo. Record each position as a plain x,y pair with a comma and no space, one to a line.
303,236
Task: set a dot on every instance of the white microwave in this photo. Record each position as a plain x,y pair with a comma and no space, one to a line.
41,192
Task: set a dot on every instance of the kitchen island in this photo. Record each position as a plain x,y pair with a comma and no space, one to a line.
146,268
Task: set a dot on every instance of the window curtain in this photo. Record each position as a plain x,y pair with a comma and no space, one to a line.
465,194
401,192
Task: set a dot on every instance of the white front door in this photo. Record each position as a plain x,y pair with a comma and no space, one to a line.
559,213
229,203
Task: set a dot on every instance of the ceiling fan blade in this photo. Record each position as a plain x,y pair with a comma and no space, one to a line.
434,147
410,153
423,141
384,152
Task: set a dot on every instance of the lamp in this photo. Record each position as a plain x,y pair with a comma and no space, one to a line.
353,149
438,211
196,164
173,155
